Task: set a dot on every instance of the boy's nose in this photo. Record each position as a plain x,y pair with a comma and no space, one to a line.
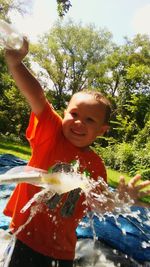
79,123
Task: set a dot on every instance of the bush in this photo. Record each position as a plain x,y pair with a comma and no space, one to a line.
141,158
145,174
107,154
124,157
143,137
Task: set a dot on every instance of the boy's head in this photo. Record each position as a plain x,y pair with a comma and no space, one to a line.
86,117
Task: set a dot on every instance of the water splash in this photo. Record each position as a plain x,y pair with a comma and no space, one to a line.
104,203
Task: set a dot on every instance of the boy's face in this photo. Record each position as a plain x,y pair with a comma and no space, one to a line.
83,120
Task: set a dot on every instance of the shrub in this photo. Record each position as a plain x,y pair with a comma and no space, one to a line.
124,157
145,174
107,154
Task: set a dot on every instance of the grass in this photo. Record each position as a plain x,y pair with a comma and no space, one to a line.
113,177
15,148
113,180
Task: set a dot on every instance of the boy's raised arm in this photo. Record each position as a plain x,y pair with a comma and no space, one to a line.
26,82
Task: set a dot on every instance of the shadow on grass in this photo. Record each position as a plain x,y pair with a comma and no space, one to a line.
15,148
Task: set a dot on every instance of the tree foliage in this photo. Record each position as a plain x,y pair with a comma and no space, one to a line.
6,6
68,53
63,7
14,112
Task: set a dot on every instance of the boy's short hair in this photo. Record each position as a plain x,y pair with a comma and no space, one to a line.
100,98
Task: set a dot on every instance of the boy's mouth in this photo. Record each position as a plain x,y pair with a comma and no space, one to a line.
77,133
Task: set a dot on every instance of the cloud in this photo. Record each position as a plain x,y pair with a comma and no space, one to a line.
141,20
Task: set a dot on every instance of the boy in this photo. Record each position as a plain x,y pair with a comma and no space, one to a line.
50,236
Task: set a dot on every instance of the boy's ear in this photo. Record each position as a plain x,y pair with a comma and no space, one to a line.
104,129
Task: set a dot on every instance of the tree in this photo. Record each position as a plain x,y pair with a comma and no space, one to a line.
68,52
6,6
13,109
63,6
127,68
125,75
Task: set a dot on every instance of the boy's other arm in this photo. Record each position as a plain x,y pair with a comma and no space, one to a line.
25,81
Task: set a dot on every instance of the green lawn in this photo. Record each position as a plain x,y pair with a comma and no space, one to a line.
113,177
14,148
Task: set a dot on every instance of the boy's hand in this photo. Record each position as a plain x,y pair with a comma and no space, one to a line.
101,200
14,57
133,190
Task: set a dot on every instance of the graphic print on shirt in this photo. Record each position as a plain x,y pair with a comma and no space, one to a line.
69,206
54,201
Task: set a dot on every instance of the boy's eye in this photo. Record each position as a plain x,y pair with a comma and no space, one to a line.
90,120
74,114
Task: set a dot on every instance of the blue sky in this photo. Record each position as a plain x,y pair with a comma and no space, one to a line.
120,17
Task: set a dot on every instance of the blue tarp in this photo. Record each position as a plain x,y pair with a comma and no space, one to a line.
8,161
132,243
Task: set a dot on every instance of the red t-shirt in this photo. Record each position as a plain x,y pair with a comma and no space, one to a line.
52,229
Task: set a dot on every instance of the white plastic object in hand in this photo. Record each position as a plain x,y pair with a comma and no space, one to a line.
59,182
10,38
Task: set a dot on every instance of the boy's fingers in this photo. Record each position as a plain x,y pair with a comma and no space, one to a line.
134,180
144,193
142,185
26,41
121,181
25,38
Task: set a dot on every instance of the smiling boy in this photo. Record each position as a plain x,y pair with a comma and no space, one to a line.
85,119
54,140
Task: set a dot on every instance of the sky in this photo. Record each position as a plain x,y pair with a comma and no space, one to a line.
120,17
